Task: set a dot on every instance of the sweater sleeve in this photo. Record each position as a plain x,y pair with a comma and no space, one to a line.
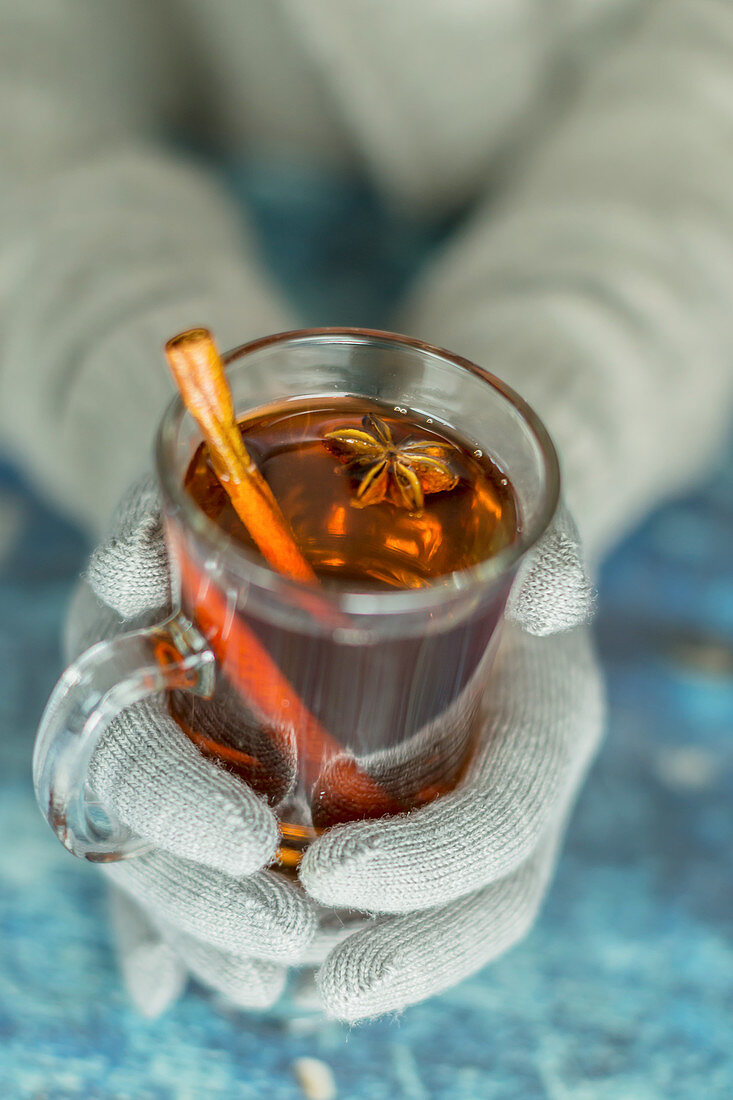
600,285
108,244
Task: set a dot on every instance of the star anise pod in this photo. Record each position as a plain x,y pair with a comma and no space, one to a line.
401,472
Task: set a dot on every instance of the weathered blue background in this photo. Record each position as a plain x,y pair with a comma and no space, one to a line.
624,991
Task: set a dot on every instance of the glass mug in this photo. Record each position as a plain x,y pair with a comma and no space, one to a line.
335,704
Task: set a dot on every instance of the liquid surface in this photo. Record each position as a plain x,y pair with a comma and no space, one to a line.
382,545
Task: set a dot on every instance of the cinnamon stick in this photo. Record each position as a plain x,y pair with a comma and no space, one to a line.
199,374
250,668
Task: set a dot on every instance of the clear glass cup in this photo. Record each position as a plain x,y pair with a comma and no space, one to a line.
336,704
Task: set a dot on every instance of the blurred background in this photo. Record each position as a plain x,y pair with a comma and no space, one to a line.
624,989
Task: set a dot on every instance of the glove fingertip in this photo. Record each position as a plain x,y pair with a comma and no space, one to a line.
257,848
152,973
129,571
168,793
238,834
356,983
255,996
237,981
327,869
553,592
154,978
552,605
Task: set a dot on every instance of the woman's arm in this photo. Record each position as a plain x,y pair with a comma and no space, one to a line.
108,244
601,288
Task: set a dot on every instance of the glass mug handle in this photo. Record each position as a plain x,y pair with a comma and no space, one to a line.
108,677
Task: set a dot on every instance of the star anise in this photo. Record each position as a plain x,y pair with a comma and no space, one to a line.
401,472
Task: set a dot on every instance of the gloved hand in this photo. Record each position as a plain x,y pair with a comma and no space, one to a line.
199,901
466,874
461,880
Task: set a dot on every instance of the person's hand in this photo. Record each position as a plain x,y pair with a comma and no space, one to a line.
458,882
199,901
465,874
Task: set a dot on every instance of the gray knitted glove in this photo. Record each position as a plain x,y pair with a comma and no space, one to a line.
199,901
466,874
463,878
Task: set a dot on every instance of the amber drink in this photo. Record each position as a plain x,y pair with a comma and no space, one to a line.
329,728
393,489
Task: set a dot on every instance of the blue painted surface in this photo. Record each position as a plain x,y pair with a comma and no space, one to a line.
624,990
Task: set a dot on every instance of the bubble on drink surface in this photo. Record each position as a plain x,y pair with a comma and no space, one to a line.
399,409
478,453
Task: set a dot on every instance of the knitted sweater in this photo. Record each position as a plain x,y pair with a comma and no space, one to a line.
595,276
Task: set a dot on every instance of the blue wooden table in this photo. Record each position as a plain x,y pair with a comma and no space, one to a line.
624,990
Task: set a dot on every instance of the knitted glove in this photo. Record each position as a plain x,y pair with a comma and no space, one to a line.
462,879
467,872
198,902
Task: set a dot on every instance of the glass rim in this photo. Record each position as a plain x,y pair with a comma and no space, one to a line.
445,589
